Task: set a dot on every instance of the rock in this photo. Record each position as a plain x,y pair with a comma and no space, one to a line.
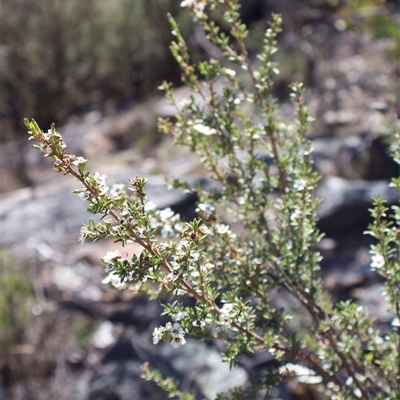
380,165
118,380
376,303
211,375
76,280
341,157
95,136
345,203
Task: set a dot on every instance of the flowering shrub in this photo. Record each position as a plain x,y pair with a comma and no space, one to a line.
234,270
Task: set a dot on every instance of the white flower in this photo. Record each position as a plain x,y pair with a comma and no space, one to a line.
173,332
79,160
166,231
117,189
83,235
99,177
197,6
162,246
229,72
104,189
204,129
108,268
142,232
396,322
300,184
180,315
377,261
101,180
114,280
84,195
177,341
48,135
296,216
226,313
227,309
204,230
182,248
154,223
209,266
198,323
158,334
184,103
187,3
171,276
195,273
150,205
378,340
222,229
303,374
166,214
117,229
111,256
175,329
206,208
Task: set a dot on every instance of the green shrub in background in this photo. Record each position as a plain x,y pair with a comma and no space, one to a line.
16,299
64,57
371,16
234,270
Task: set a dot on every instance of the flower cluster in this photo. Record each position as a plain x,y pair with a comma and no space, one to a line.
204,129
300,184
167,221
170,332
197,7
377,261
301,373
114,281
110,258
227,313
206,209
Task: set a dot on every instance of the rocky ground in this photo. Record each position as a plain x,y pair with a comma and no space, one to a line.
80,340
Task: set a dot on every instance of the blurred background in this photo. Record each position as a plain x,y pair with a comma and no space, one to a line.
93,68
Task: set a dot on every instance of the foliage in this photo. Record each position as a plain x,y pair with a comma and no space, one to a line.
372,17
372,14
255,234
58,61
37,337
15,298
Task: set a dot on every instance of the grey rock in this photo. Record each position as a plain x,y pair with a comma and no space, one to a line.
211,375
345,203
